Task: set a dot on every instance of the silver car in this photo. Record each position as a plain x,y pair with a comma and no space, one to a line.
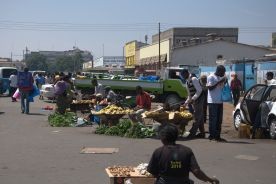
258,99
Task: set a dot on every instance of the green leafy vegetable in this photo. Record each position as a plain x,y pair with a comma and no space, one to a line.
62,120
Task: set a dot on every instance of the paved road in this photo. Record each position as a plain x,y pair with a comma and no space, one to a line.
31,152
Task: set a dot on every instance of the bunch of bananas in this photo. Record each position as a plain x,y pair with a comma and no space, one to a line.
113,109
150,114
186,114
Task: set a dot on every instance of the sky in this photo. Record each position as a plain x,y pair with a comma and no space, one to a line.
104,26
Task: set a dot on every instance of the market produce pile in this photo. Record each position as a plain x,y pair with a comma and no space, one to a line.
169,116
125,128
113,109
68,119
121,170
83,101
124,171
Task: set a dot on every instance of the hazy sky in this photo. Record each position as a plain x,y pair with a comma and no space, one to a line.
96,24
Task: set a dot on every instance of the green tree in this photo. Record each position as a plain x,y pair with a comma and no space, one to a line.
78,61
65,64
36,61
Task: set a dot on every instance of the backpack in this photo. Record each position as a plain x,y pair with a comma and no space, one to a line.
24,79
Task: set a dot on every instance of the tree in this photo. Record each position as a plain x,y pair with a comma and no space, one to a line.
36,61
65,64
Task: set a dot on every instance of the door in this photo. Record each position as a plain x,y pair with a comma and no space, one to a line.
251,101
250,75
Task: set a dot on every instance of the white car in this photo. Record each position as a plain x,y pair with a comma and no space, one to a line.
48,91
258,97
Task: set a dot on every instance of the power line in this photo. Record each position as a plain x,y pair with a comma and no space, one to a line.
66,27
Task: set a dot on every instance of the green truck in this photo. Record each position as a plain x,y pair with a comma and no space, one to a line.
169,88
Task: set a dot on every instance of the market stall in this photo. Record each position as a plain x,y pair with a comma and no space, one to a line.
111,114
81,105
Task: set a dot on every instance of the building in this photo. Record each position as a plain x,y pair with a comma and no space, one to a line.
273,44
149,56
112,63
209,52
183,36
7,62
131,50
52,56
87,65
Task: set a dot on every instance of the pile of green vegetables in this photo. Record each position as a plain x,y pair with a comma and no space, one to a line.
125,128
62,120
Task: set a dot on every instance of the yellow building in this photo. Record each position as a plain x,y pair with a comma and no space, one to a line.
132,53
149,55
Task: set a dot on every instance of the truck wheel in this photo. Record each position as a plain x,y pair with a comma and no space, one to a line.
272,129
173,100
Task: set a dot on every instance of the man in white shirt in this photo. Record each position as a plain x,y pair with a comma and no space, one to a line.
270,78
215,83
13,85
195,98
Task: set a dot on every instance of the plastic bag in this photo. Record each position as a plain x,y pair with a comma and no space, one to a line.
16,94
226,95
35,92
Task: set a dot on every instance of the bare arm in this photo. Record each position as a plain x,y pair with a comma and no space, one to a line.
202,176
215,85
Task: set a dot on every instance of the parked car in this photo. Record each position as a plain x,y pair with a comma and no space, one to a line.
48,91
249,107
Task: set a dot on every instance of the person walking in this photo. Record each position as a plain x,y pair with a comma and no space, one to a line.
196,99
172,163
236,87
215,84
13,85
25,84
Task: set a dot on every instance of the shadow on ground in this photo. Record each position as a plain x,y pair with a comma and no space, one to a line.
37,114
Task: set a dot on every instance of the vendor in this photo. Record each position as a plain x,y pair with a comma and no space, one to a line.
99,104
61,95
99,89
110,95
172,162
143,103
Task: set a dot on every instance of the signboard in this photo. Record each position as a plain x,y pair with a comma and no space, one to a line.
130,49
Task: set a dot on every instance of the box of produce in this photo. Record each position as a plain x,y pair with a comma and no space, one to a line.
119,174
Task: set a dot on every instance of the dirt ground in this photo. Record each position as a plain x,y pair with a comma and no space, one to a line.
228,129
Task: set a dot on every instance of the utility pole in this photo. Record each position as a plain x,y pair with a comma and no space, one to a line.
103,50
159,55
11,56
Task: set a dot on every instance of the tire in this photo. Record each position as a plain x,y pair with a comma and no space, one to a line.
173,99
237,120
272,129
